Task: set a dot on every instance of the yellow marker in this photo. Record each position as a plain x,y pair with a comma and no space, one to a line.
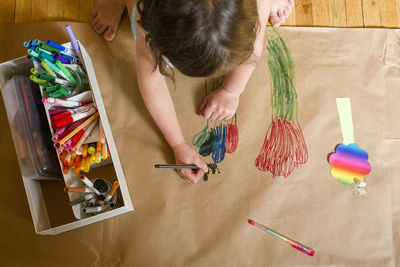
87,165
92,148
48,69
73,154
83,163
95,159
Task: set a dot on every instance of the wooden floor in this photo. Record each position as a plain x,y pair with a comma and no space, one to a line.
330,13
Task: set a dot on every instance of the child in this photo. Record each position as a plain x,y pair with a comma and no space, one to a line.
200,38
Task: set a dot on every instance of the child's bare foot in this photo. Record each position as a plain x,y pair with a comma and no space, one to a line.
106,15
280,10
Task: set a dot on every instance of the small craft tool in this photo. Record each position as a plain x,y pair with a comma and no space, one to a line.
294,244
212,168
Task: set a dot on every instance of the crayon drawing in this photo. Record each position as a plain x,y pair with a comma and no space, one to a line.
284,146
220,139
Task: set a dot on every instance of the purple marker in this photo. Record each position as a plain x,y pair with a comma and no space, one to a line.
61,58
72,37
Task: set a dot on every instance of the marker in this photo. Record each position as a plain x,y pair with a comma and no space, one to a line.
46,56
102,134
82,199
49,48
78,189
69,129
71,163
291,242
94,209
83,164
38,50
104,151
53,79
56,69
72,59
65,71
176,166
74,117
61,92
92,148
112,191
62,102
57,46
38,81
33,53
62,156
89,184
85,151
83,125
61,58
94,158
33,58
67,159
47,68
68,112
83,138
72,37
35,72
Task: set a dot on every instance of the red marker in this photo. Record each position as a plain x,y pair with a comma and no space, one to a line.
68,130
74,117
69,112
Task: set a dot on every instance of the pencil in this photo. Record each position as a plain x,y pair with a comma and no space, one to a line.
176,166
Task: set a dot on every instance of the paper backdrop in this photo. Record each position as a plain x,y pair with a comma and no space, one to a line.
178,224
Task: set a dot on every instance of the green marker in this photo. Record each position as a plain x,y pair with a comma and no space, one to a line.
39,81
61,92
49,48
47,68
65,71
35,72
55,69
38,50
55,80
49,89
33,53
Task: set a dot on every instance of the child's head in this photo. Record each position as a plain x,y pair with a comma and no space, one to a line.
199,37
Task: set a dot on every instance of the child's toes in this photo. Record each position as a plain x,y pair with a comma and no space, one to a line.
110,33
101,29
274,19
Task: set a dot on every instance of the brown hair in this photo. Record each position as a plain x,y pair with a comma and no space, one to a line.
199,37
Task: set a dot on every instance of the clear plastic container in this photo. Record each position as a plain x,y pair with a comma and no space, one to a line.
31,134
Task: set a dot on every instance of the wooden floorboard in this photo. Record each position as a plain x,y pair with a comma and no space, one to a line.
325,13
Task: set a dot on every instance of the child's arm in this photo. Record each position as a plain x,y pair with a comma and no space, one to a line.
222,103
158,101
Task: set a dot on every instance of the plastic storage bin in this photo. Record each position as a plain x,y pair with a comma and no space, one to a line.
25,134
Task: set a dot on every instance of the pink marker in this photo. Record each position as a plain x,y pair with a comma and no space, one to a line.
55,111
62,102
74,117
69,112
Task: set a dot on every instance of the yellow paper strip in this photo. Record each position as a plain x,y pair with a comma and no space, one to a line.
345,118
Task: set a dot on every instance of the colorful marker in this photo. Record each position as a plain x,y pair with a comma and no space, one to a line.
83,125
57,46
74,117
66,71
61,102
72,37
112,191
78,189
83,138
89,184
291,242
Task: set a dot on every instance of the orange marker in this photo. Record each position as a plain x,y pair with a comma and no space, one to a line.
83,164
63,155
98,148
67,159
71,163
78,189
112,191
77,165
65,169
84,151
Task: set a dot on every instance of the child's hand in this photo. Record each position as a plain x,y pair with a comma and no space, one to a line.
184,154
221,104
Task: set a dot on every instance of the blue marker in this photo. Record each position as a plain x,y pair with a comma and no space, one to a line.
56,45
33,58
